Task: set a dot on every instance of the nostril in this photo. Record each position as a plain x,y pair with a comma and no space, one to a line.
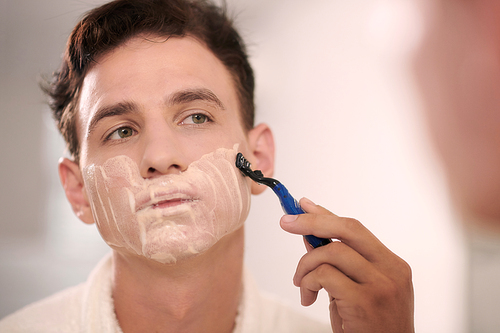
153,171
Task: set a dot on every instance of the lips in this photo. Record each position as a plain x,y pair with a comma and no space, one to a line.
170,203
161,197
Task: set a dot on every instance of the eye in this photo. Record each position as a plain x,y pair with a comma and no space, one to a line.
196,119
121,133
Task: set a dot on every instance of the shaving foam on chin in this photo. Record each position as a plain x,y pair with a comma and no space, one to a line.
171,217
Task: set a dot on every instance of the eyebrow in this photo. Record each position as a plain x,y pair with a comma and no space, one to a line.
179,97
110,111
191,95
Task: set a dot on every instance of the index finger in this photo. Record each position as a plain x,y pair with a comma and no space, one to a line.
320,222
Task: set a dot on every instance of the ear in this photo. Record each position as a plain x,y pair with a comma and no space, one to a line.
261,142
72,181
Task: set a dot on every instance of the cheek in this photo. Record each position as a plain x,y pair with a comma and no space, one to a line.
231,189
111,190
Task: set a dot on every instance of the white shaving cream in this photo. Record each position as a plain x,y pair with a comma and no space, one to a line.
173,216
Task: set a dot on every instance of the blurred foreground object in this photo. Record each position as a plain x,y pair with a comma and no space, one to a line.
458,72
457,68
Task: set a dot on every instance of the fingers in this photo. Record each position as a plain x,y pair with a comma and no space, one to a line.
370,287
383,304
322,223
328,277
340,256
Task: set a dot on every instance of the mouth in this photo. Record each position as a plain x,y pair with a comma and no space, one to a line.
163,199
171,203
167,212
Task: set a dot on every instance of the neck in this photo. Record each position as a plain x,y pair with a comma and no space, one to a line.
200,294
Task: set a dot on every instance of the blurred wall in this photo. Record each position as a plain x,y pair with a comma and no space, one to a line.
43,247
332,82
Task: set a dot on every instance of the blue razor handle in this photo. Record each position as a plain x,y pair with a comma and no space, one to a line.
291,206
288,203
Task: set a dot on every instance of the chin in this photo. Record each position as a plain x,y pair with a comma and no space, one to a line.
170,251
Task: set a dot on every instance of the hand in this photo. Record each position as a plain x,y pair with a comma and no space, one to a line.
370,287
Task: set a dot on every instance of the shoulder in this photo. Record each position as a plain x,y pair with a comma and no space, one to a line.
57,313
87,307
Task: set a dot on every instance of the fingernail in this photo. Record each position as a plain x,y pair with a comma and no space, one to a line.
289,218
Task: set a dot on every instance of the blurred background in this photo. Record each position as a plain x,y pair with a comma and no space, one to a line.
334,82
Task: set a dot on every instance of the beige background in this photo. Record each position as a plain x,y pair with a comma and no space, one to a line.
333,83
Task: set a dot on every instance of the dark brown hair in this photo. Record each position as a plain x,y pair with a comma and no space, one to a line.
107,27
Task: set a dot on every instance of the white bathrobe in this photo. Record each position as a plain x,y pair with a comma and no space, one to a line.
88,308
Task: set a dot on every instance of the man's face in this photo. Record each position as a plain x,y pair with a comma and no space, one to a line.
148,112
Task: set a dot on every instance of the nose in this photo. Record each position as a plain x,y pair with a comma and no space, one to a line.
162,151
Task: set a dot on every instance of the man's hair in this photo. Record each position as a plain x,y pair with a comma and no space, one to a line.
106,27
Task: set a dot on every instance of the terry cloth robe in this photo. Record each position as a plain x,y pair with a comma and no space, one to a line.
88,308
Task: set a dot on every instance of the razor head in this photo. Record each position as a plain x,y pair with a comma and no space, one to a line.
246,168
241,162
257,176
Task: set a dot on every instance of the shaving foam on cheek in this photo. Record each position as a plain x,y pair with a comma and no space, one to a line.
171,217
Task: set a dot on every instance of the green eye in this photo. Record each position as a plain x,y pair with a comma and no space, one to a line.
124,132
196,119
121,133
199,118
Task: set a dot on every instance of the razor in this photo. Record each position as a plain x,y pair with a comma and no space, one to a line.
288,203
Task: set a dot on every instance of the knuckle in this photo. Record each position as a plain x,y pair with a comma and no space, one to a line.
383,295
352,224
405,270
389,292
402,271
323,270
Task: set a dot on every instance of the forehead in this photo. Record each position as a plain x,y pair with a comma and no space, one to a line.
148,70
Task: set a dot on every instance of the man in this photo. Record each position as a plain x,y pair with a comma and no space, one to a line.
154,99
